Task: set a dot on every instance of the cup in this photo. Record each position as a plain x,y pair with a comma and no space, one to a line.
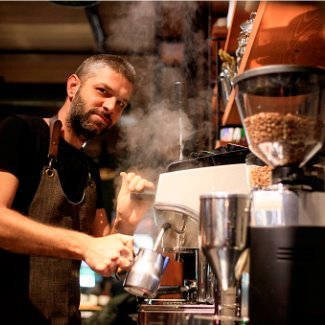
143,279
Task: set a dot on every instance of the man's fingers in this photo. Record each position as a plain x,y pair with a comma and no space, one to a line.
125,263
126,239
136,182
127,247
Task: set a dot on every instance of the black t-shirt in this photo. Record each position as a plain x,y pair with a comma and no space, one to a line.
24,143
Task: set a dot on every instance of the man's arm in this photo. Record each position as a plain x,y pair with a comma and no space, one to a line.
101,226
21,234
128,212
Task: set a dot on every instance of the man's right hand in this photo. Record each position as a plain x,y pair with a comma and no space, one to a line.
105,254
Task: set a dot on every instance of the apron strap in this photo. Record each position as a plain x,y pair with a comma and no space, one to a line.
55,130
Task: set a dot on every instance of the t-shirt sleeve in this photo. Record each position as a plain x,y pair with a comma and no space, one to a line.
14,139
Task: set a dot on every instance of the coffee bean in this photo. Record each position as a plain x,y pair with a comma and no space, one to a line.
282,138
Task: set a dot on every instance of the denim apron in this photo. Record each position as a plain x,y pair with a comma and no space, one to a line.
54,289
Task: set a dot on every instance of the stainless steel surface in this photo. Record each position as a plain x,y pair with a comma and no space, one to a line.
144,277
178,312
182,239
143,195
173,305
163,229
174,312
223,232
287,206
206,280
228,307
223,320
184,230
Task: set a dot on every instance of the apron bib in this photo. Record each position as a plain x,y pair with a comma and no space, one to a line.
54,288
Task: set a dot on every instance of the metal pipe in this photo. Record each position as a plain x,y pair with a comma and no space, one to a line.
96,27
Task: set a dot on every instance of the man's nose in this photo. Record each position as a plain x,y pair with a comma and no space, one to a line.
109,103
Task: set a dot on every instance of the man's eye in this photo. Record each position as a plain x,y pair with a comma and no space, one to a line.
101,90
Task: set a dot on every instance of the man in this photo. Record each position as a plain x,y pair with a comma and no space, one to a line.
51,212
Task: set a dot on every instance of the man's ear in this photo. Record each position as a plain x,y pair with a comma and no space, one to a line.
73,84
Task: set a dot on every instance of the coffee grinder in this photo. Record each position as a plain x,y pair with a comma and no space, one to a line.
282,108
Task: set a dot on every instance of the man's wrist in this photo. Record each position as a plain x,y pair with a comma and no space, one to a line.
122,226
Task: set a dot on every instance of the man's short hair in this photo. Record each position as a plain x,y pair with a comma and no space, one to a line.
117,63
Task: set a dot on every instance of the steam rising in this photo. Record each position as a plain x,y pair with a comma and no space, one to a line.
135,27
152,140
157,130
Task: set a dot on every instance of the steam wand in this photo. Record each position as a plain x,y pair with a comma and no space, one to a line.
164,227
171,289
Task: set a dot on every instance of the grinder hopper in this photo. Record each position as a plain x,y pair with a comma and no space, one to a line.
282,110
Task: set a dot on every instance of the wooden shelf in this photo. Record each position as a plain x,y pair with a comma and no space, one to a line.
284,32
231,115
242,11
217,41
295,37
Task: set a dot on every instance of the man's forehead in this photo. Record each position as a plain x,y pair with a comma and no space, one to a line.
106,73
108,77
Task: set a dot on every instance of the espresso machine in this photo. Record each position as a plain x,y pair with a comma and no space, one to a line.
282,108
177,215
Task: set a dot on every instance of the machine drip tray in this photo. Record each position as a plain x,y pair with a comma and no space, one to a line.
172,312
175,305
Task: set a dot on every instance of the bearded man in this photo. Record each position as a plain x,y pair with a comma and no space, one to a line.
51,209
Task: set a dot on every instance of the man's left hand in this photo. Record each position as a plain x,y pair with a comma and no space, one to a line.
130,211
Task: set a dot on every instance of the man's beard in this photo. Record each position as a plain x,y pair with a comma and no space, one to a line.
79,121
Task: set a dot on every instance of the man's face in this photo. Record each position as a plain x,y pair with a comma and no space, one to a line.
99,103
